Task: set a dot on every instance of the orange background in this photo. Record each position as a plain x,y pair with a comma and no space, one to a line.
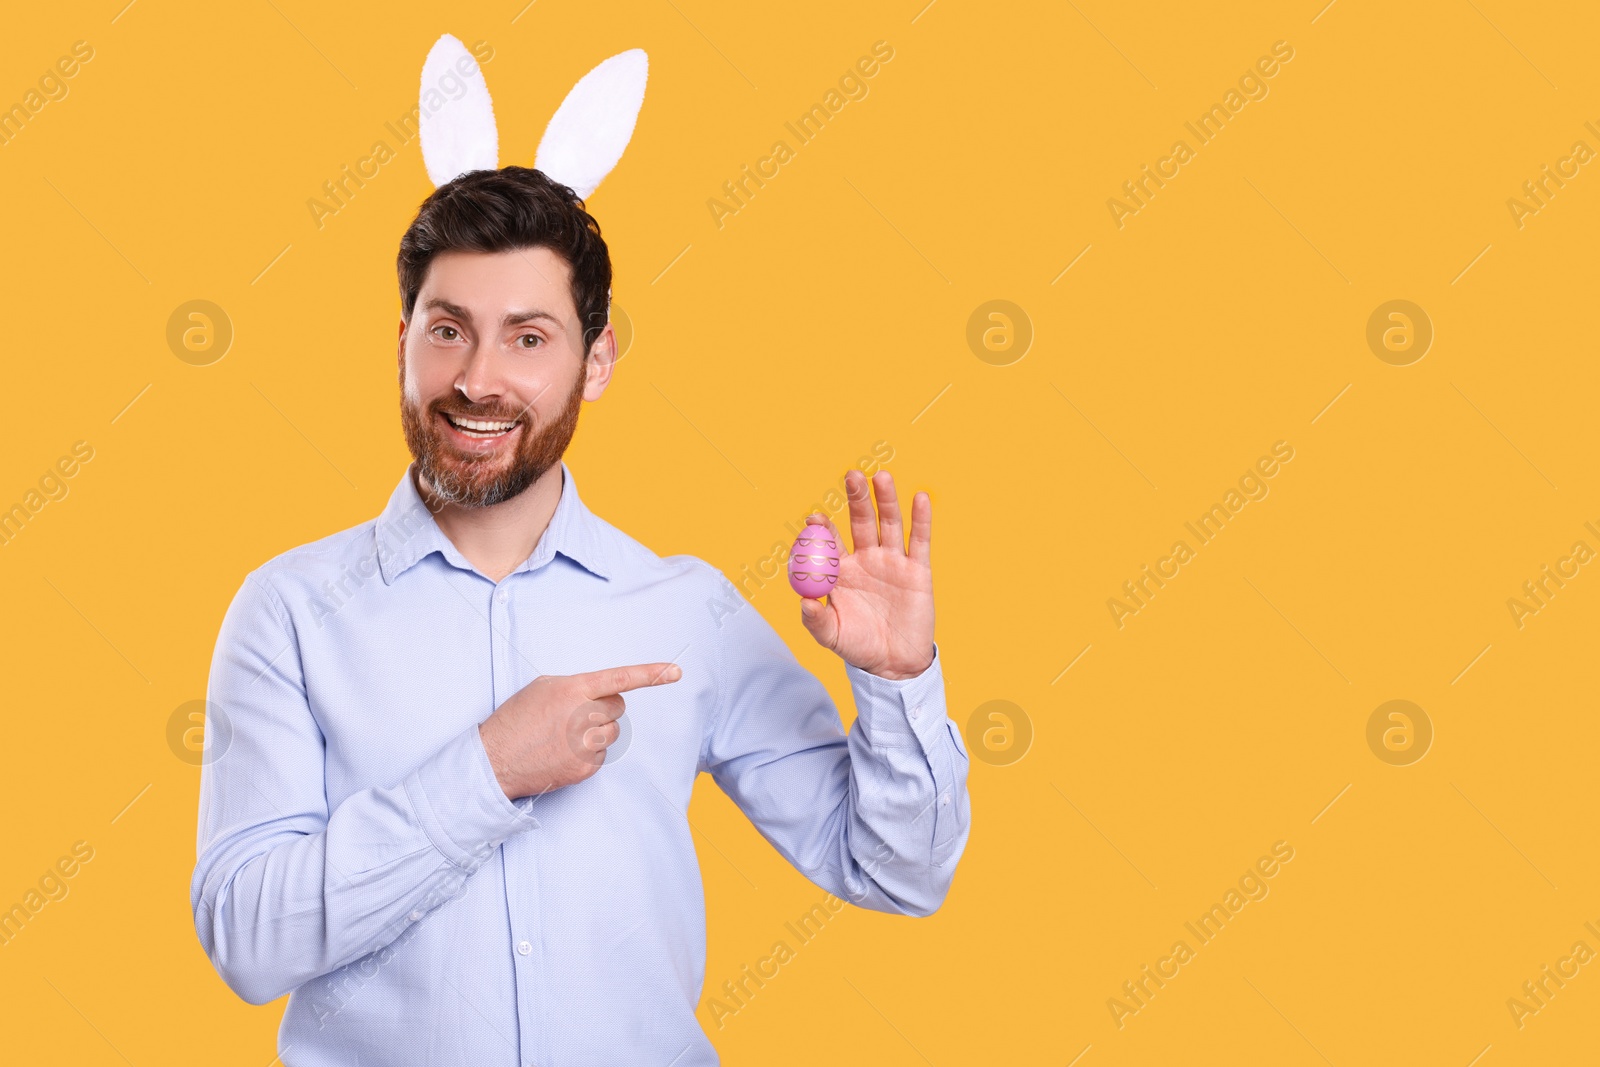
772,353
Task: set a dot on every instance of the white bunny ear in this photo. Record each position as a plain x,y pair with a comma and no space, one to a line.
588,133
456,124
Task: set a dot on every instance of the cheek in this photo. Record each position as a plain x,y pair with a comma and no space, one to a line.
546,391
427,375
411,389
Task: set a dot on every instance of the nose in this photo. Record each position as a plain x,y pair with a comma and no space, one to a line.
480,378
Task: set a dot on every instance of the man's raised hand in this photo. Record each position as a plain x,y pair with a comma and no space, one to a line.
879,615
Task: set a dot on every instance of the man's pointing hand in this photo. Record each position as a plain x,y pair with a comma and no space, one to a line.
554,731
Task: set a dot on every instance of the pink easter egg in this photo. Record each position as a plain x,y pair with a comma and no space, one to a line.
814,562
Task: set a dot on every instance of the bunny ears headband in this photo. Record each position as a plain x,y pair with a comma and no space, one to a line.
584,140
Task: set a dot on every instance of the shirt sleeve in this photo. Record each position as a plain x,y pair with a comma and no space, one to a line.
878,816
285,890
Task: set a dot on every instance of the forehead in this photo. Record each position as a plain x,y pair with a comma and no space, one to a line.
489,283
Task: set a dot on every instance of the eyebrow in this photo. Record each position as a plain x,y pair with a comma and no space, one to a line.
511,318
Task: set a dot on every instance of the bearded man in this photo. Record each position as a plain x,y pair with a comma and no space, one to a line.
434,820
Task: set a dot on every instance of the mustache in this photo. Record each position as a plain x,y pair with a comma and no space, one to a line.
484,412
488,413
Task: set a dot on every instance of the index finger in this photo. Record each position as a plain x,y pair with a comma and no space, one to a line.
614,680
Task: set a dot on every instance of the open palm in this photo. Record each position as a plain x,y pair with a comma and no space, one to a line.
879,615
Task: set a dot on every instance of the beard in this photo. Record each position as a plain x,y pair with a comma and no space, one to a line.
479,480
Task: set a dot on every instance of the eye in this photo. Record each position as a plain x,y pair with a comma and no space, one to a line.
450,333
535,338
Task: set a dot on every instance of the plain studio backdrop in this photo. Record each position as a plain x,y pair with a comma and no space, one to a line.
963,263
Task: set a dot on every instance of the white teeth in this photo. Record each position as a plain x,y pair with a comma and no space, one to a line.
482,427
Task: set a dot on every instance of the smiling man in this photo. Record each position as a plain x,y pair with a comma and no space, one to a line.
437,823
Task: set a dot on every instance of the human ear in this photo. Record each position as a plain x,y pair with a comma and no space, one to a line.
600,363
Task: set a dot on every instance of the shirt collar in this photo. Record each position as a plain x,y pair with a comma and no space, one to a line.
407,533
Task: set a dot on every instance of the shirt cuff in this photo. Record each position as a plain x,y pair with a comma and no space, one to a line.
908,713
460,804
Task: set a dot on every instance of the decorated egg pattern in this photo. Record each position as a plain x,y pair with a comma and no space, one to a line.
814,562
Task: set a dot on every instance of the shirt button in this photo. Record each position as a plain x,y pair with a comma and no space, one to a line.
916,710
502,596
524,947
416,916
944,801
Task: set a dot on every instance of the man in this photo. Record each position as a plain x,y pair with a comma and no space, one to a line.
439,825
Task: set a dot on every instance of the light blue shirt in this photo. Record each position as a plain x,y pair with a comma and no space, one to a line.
357,852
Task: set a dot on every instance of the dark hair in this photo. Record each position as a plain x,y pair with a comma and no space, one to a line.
499,210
